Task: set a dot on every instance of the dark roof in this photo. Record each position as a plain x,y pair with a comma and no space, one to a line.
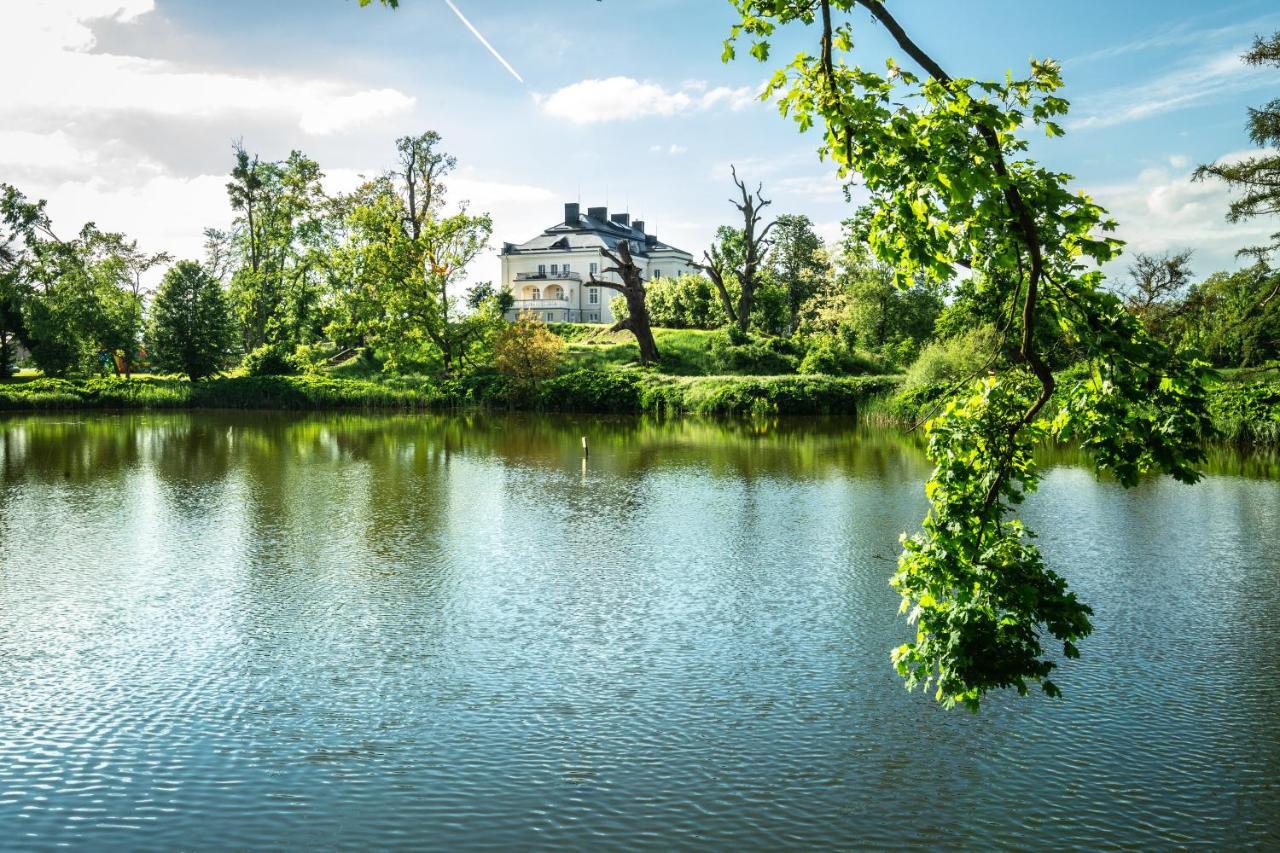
591,233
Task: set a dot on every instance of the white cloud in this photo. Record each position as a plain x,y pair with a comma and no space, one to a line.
1188,31
42,150
519,211
336,114
48,47
815,189
58,119
166,213
1208,78
625,98
671,149
1162,209
736,99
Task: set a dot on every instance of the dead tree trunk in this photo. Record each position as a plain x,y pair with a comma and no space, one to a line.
744,261
632,289
715,268
754,247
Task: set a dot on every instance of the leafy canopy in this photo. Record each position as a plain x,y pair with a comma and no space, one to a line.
944,160
191,330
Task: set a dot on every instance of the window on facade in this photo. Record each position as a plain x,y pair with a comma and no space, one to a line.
536,293
550,317
593,295
542,269
595,268
657,273
554,269
595,318
566,269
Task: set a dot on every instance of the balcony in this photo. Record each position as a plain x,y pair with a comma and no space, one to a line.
548,276
537,304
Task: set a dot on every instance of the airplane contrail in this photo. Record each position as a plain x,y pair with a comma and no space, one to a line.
483,40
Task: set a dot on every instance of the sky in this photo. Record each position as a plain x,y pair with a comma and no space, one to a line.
124,112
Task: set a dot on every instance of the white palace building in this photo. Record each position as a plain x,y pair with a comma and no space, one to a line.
550,274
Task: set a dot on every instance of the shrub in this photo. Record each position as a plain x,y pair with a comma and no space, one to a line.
829,354
784,395
311,359
1247,412
754,357
592,391
274,359
527,353
954,358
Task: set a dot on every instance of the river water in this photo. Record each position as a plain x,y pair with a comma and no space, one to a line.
222,631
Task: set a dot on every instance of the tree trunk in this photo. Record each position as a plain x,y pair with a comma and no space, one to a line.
745,301
717,278
638,324
632,289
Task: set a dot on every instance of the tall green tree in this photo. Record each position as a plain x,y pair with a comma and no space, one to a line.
688,301
1256,179
799,262
73,303
944,161
738,257
25,227
864,304
1230,318
279,244
400,257
191,329
1156,289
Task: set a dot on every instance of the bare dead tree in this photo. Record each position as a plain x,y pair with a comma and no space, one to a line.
743,261
632,289
1157,279
716,267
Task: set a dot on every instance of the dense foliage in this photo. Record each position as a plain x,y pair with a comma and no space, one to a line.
191,328
528,353
944,161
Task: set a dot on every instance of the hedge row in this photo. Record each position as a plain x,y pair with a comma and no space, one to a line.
606,391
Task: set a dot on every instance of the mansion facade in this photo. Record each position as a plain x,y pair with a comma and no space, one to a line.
550,274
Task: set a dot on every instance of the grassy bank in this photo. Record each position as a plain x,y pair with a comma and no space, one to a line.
233,392
582,390
1247,412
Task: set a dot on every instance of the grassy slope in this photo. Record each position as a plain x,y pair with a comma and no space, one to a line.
683,351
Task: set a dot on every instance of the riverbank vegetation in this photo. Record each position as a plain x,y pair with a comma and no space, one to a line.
351,300
970,295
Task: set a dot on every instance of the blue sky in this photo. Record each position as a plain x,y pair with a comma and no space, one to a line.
128,107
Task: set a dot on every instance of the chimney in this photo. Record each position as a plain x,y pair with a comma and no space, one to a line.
570,213
623,219
651,239
601,213
638,225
